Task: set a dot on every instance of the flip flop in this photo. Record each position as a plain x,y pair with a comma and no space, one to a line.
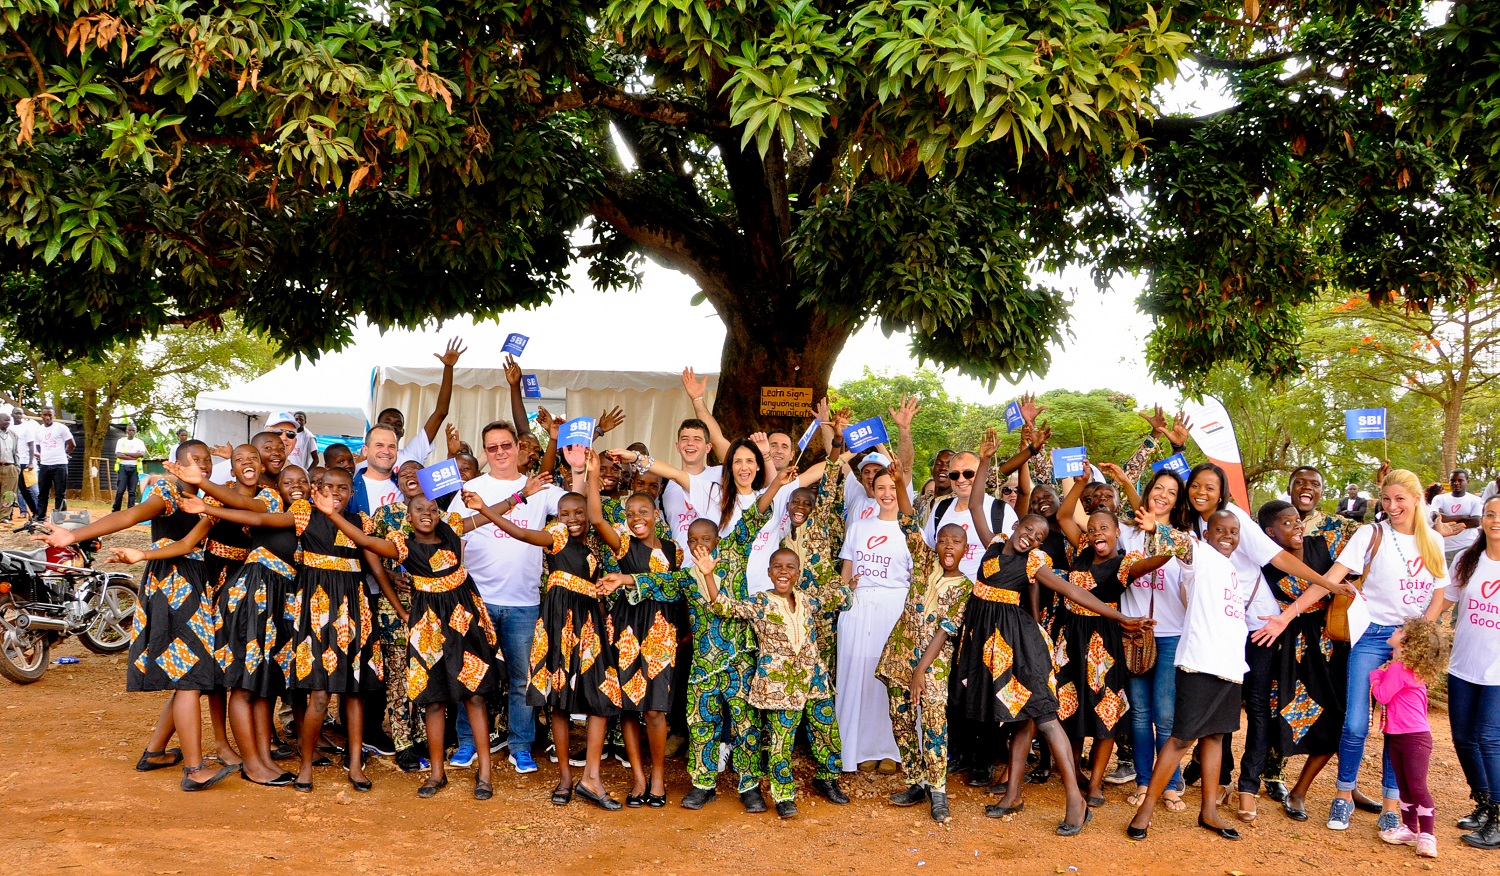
1174,804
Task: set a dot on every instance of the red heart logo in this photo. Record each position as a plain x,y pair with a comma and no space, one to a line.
1490,588
875,541
1416,566
865,514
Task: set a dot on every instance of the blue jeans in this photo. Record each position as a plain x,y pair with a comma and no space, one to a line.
515,624
1365,657
1474,711
1153,697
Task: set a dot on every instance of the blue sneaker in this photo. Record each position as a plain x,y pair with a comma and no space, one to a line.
523,762
464,755
1338,814
1388,821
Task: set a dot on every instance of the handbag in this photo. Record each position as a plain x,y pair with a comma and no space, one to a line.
1337,624
1140,645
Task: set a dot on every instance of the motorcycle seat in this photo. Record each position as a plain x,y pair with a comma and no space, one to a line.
32,558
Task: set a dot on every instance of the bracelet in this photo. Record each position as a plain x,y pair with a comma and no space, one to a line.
643,463
1150,442
518,499
698,399
1178,448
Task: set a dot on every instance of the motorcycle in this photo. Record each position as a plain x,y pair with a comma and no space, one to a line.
49,594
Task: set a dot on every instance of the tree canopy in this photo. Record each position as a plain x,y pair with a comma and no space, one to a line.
813,165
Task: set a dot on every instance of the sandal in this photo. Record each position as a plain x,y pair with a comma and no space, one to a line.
1138,797
562,796
430,787
1173,804
483,790
145,764
1223,797
1248,815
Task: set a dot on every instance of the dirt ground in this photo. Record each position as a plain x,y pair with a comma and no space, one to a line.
70,801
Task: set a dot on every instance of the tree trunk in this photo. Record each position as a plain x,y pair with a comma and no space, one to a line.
772,348
1453,408
95,418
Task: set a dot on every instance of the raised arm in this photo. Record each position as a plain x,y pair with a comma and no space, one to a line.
225,494
1070,528
151,506
987,448
549,456
768,496
517,399
496,514
449,358
697,389
179,548
370,544
655,466
606,532
1122,478
897,470
907,451
268,519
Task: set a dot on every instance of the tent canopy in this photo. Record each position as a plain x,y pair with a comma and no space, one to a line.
334,393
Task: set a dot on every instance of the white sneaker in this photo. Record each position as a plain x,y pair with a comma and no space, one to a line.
1426,845
1400,835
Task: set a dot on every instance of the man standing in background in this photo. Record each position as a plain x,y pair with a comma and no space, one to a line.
9,471
306,449
53,448
25,432
129,451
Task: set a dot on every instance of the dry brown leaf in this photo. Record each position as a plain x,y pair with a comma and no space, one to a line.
358,176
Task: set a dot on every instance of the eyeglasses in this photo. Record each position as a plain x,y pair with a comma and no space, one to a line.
290,433
496,448
1007,490
965,475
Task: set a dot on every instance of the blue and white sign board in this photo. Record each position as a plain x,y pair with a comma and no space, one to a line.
865,434
579,430
1176,463
530,386
515,343
1067,462
1364,423
807,436
440,479
1013,418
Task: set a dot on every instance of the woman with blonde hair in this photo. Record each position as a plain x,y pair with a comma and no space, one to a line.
1401,559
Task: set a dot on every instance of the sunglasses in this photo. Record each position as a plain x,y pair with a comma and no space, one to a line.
290,433
965,475
496,448
1007,490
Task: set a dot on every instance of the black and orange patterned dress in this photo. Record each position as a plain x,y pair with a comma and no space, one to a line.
257,626
172,644
573,664
450,639
1087,654
1003,662
645,638
335,634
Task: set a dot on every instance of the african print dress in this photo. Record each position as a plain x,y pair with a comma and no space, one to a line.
1003,662
645,638
1087,654
259,624
335,631
172,645
450,643
228,543
573,665
1308,669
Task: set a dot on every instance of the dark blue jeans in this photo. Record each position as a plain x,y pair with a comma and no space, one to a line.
1153,697
1474,712
1365,657
515,624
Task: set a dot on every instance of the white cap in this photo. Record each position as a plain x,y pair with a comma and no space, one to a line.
876,458
279,417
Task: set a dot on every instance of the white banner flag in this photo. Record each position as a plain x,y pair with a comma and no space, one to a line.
1215,436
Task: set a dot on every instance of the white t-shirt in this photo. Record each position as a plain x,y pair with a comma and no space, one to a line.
54,440
506,571
418,448
1256,549
683,507
969,565
1166,582
223,471
302,451
1213,635
25,436
768,540
1399,585
859,504
383,493
1467,505
1476,637
129,445
877,548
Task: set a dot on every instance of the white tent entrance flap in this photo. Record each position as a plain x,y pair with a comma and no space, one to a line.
653,401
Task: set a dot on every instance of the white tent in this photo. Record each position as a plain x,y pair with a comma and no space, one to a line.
334,393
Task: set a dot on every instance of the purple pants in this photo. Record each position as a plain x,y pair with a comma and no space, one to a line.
1410,753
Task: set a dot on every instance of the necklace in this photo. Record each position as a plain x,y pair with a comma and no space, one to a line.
1399,552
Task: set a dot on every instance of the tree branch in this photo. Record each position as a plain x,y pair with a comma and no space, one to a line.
587,92
660,230
1239,64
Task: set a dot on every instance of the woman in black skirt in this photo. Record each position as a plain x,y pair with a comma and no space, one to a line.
645,638
1210,664
1003,662
573,664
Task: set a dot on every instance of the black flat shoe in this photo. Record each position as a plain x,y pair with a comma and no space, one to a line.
656,801
603,801
830,790
304,787
635,801
322,762
786,809
483,790
145,765
1292,812
1137,833
1066,829
980,777
1095,802
562,796
360,786
1366,804
998,788
910,797
995,810
430,788
282,751
280,781
189,785
753,801
1228,833
699,797
939,810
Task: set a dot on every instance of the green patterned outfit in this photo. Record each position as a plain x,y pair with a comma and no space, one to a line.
405,726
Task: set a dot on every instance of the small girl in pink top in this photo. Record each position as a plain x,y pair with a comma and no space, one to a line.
1419,656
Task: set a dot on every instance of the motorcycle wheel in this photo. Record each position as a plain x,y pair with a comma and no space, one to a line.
111,629
24,654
